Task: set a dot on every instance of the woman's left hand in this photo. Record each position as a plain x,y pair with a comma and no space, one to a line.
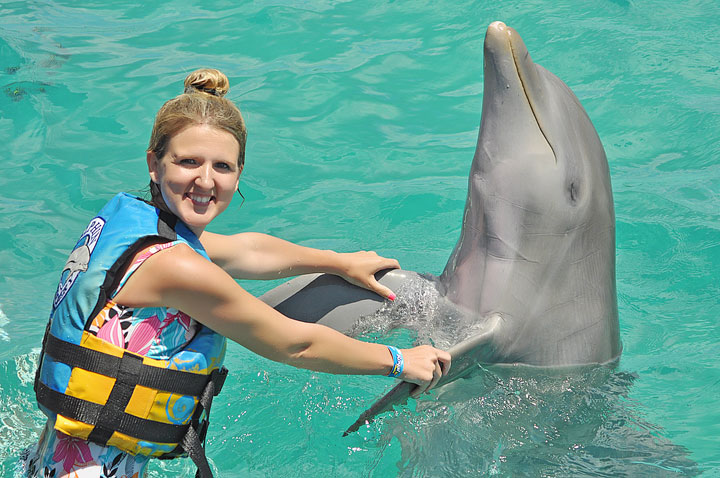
359,268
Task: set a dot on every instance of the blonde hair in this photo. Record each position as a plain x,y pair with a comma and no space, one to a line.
202,103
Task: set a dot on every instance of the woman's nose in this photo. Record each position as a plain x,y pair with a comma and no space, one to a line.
204,179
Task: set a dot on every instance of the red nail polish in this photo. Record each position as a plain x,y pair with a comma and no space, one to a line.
391,296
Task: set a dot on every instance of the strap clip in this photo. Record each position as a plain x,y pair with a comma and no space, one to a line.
218,377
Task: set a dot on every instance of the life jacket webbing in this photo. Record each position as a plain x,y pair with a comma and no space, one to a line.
168,380
128,371
89,412
194,441
113,413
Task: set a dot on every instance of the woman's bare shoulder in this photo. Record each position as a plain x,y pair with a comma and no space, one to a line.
175,268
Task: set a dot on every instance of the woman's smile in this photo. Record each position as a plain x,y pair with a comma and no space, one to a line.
200,200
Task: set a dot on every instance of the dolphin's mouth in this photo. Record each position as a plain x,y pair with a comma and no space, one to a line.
533,106
525,70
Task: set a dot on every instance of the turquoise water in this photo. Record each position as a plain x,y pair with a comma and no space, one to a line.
362,118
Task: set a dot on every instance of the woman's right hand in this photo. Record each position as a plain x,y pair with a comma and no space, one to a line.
424,366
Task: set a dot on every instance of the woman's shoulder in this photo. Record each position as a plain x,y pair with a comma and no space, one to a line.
179,257
170,268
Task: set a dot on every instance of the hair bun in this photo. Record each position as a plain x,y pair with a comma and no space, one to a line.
207,80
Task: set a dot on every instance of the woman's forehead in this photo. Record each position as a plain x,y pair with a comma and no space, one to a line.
206,140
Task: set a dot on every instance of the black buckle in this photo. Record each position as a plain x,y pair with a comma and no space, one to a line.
202,428
218,377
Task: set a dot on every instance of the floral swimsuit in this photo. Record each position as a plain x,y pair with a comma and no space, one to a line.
156,332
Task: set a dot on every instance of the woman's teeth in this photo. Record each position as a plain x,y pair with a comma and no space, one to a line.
200,199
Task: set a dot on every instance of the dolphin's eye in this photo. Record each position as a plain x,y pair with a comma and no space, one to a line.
574,192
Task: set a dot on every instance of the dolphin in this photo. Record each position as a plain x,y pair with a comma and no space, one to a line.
532,277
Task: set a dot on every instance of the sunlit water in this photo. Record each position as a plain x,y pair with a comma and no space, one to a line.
362,118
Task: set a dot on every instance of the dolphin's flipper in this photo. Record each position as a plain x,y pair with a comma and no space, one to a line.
330,300
398,395
464,355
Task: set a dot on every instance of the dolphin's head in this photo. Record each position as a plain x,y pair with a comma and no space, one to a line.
535,130
538,227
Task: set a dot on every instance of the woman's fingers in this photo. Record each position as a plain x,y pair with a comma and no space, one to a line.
445,361
380,289
361,267
424,366
436,376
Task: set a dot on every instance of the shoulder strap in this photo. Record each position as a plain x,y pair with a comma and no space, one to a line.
166,225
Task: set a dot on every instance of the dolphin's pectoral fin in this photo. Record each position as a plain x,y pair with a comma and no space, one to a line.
478,348
397,396
312,298
465,354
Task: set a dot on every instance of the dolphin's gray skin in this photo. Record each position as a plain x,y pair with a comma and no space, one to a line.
533,273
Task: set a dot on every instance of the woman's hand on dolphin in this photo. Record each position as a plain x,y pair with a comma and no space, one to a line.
424,366
359,268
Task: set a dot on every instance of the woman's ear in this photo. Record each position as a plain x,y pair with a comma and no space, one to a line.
153,162
240,170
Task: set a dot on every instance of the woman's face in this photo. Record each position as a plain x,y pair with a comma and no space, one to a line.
198,174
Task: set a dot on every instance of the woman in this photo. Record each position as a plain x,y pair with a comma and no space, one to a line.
133,351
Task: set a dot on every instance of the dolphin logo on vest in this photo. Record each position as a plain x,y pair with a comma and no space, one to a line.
79,259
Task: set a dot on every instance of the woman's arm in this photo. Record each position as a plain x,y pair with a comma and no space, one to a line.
252,255
178,277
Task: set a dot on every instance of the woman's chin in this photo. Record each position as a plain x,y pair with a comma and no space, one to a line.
194,221
198,217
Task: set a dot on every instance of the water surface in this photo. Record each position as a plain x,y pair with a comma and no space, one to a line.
363,117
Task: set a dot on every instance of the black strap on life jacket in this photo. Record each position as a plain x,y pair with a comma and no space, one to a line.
174,381
128,372
194,441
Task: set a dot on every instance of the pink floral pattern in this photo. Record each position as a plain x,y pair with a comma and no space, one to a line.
60,456
144,335
142,331
112,332
71,451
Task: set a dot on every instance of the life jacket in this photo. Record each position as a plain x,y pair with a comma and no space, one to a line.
103,393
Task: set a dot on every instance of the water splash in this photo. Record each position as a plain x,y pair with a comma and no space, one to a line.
421,311
515,420
20,419
3,322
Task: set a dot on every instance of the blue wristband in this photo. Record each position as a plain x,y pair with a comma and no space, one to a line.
398,362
